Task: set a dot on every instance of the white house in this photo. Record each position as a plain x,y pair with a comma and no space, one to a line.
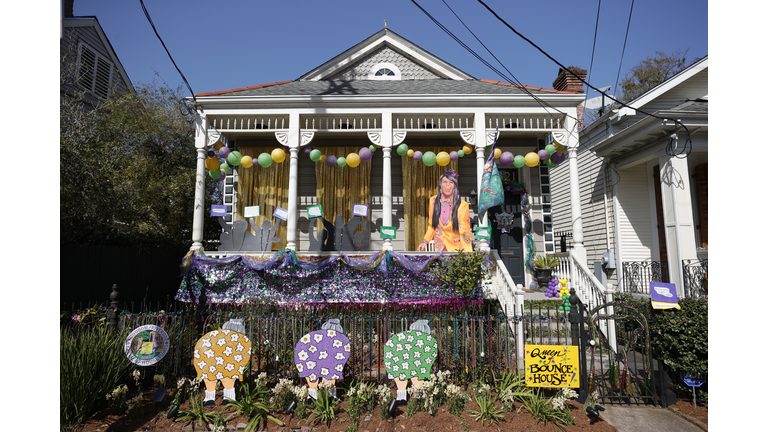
643,188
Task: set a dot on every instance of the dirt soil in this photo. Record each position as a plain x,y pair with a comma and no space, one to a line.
369,422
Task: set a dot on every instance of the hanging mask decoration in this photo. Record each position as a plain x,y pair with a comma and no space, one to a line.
504,221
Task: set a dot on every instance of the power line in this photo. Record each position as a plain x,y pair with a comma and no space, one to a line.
688,137
618,74
594,42
146,13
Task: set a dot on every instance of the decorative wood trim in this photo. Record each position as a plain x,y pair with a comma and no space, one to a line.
468,136
282,138
374,137
398,137
560,136
489,136
306,137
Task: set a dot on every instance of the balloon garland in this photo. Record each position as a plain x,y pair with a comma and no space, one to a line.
217,170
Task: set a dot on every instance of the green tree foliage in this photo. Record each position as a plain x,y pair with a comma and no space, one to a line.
650,72
128,163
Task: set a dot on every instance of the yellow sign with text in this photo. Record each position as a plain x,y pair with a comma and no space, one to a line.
552,365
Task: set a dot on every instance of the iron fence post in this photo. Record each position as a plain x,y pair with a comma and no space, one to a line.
579,336
112,311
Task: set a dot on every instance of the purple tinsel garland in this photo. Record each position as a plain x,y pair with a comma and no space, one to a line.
384,277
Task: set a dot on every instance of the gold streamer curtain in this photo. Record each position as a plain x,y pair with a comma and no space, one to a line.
420,182
266,188
337,189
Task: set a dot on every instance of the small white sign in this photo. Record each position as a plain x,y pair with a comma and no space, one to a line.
389,232
360,210
281,213
252,211
315,211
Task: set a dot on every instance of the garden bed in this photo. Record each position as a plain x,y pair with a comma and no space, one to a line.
370,422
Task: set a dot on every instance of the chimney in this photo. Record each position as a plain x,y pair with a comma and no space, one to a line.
565,80
69,8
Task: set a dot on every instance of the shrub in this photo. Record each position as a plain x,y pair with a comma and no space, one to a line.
464,271
91,365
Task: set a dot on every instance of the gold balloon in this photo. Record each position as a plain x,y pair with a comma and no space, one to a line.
560,150
353,160
322,158
410,153
532,159
467,149
218,145
278,155
246,162
212,164
496,153
443,158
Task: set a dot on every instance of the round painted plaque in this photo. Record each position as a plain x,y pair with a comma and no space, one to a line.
147,345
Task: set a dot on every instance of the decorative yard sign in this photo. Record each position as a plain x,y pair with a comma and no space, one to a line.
388,232
664,295
251,211
147,345
315,211
692,380
218,210
552,365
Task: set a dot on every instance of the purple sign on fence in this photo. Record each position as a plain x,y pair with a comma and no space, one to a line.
664,295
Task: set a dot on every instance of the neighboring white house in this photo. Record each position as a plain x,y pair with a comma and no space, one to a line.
384,91
650,221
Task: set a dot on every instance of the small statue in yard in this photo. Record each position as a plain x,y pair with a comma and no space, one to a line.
222,355
322,354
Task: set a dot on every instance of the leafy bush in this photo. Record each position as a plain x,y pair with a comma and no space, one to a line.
464,271
91,365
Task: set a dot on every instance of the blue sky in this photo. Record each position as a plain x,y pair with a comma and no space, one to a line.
230,44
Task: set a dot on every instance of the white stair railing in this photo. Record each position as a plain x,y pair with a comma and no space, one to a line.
511,299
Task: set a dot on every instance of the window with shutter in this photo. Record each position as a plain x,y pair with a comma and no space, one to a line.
94,71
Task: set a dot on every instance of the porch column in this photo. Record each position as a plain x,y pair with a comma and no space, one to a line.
678,217
573,170
293,197
480,143
294,136
386,149
201,140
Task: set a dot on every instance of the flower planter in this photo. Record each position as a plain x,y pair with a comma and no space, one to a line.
543,276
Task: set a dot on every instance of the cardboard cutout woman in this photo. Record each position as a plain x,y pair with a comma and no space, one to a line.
322,354
222,355
449,222
409,356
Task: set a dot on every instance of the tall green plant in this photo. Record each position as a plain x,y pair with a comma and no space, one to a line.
91,365
464,272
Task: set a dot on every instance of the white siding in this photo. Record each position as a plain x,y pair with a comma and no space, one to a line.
634,212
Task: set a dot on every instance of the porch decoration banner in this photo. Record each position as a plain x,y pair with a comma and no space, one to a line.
285,278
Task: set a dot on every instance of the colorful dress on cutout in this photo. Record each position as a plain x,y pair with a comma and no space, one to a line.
410,354
322,354
222,354
445,234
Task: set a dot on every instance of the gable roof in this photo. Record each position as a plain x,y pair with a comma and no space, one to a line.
385,38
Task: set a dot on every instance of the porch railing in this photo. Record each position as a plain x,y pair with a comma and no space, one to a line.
638,275
695,278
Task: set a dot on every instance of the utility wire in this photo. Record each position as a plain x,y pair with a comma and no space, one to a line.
146,13
618,74
594,43
688,138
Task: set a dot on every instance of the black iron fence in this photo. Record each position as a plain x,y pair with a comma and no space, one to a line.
695,278
638,275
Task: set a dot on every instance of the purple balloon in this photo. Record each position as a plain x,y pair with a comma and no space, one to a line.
222,176
330,161
224,152
211,152
506,159
417,156
454,156
308,150
365,154
557,158
543,155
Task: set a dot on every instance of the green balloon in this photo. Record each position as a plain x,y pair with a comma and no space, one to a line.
224,167
429,158
233,159
550,163
214,174
550,148
461,153
341,161
519,161
315,155
402,149
372,148
265,160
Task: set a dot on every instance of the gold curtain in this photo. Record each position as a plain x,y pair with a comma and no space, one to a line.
419,183
266,188
337,189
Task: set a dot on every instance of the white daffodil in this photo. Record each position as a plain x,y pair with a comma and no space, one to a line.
209,353
221,342
197,353
230,367
339,356
238,358
324,371
318,337
219,360
234,337
331,333
311,364
339,368
312,348
219,375
211,369
201,364
205,343
322,355
227,351
300,367
239,347
336,343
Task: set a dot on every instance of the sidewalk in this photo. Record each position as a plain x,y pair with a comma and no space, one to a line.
648,419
